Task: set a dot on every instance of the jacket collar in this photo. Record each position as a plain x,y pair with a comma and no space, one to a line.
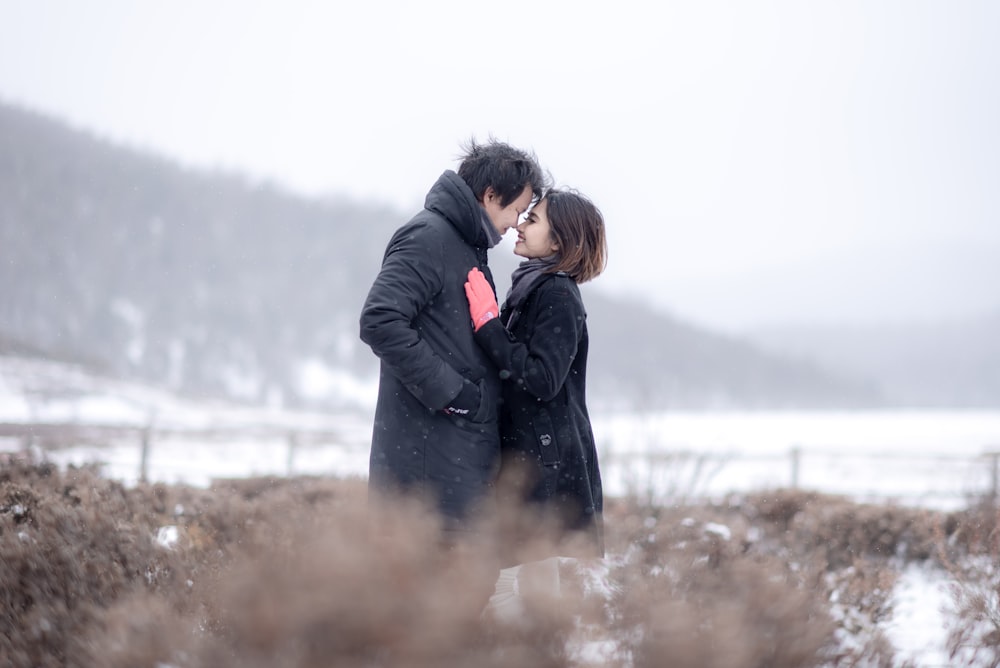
452,198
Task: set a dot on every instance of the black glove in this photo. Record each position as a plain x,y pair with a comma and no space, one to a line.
466,401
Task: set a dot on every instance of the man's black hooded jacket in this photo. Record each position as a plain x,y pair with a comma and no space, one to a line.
416,320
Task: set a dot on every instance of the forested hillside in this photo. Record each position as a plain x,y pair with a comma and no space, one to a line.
210,283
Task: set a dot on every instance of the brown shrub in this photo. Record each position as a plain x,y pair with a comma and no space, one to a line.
67,551
693,595
776,542
742,613
351,586
302,572
969,542
840,530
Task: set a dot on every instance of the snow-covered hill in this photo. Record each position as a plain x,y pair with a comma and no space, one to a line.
208,283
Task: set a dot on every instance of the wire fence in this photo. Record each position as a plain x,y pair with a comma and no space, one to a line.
150,452
942,480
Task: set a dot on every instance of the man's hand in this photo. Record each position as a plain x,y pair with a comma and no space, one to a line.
482,302
466,402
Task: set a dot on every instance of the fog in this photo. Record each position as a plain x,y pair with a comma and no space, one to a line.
758,164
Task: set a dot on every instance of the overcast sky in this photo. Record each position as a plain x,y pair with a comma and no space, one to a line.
756,161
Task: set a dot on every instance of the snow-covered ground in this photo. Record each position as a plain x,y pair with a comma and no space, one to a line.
919,457
920,599
932,458
928,458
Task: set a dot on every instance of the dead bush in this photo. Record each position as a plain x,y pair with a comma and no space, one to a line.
68,550
303,572
841,530
969,542
354,587
693,595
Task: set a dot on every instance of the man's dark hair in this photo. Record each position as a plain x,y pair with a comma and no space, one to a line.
504,168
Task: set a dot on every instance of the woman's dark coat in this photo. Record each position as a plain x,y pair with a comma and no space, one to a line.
416,320
544,422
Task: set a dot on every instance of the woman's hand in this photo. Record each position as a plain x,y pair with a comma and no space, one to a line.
482,302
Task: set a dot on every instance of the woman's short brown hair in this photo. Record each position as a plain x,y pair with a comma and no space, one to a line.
577,226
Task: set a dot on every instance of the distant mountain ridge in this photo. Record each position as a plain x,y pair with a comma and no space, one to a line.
209,283
952,363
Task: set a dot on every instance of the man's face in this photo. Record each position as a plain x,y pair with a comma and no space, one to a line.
506,217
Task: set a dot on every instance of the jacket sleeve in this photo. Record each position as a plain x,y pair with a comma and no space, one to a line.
541,366
410,277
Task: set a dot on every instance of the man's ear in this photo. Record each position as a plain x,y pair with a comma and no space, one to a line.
489,194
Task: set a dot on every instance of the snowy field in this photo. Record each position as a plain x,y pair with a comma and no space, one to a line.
930,458
933,458
927,458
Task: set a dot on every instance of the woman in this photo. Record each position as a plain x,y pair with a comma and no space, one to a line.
539,342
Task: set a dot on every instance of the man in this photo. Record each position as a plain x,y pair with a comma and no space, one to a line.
435,428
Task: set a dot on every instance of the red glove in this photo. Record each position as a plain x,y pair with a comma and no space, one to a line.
482,302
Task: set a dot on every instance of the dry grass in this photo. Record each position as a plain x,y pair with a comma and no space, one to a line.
302,572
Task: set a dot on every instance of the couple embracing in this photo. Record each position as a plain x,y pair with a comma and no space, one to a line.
480,407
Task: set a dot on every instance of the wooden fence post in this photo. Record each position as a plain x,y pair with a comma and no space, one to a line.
27,441
293,444
994,474
796,455
145,442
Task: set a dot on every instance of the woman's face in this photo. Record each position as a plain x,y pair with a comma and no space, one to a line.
534,236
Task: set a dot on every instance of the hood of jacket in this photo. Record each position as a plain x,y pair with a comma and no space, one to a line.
452,198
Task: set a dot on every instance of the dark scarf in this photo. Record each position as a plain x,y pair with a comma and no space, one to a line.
524,279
